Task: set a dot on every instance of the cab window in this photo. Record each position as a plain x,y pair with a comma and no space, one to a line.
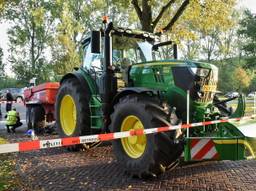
92,60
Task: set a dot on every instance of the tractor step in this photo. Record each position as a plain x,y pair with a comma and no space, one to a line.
96,116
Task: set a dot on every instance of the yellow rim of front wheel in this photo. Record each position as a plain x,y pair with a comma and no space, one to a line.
133,146
68,115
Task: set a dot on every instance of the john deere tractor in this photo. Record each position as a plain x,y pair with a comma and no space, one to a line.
126,83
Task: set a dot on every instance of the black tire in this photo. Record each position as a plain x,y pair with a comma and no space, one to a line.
73,88
161,150
37,118
28,117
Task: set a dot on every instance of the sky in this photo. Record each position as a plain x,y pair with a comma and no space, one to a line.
250,4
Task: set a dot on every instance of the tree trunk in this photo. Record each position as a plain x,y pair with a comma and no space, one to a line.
32,50
146,20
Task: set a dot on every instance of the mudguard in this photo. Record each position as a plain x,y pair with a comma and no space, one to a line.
132,90
82,80
240,110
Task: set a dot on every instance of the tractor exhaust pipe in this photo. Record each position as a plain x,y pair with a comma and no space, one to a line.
108,82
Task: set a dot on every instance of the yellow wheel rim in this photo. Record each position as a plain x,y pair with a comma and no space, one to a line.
68,115
133,146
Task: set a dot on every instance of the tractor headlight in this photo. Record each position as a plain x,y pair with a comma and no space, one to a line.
202,72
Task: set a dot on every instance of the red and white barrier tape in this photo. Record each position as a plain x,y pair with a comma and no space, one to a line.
60,142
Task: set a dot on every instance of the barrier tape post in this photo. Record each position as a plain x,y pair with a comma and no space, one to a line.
60,142
188,112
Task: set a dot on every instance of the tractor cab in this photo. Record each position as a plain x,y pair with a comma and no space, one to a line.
128,47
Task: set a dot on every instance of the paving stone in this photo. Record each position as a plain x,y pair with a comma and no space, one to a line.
97,169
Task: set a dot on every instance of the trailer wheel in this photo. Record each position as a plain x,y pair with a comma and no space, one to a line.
143,155
28,117
37,117
72,111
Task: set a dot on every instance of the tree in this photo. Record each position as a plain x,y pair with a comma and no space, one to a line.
156,15
75,19
209,44
190,49
241,79
196,31
146,10
247,31
6,3
2,73
29,36
252,86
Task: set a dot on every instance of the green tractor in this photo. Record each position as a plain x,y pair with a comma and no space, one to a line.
125,84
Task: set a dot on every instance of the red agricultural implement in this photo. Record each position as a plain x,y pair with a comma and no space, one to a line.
39,101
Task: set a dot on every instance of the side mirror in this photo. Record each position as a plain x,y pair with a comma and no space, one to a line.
175,51
156,46
95,42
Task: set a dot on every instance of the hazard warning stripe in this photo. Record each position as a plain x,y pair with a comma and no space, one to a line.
206,148
211,154
194,142
203,149
42,144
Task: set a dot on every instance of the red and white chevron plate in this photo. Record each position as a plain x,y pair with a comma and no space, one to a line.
201,149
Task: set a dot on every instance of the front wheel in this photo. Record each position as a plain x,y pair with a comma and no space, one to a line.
144,155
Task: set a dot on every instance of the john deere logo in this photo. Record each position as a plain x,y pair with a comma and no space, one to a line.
209,88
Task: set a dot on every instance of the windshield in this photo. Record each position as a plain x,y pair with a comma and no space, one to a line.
92,60
126,51
136,50
146,48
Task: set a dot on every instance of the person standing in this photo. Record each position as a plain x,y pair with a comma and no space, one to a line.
9,100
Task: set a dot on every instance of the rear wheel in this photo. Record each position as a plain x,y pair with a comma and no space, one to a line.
37,118
144,155
28,117
72,111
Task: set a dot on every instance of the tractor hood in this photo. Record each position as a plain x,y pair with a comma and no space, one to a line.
172,79
198,77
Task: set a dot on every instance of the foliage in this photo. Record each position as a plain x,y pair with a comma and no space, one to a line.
196,35
232,76
6,3
7,82
8,178
252,86
74,20
28,37
242,79
203,26
247,31
2,66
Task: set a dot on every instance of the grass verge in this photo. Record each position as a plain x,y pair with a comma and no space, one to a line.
8,177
